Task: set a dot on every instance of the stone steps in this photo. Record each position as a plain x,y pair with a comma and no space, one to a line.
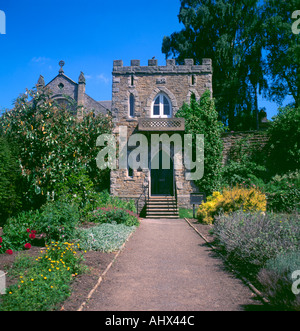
162,207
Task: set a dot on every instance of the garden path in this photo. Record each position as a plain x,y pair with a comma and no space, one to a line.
166,266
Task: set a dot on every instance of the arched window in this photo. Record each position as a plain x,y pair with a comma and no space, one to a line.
131,105
162,107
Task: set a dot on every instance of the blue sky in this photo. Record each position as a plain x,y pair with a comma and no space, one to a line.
87,35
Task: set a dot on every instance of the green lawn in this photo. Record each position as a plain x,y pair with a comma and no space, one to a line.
188,213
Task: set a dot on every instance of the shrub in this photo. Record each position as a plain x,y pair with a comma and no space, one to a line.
104,237
208,210
46,282
19,231
243,166
52,144
276,280
251,239
283,149
107,200
116,215
246,199
10,174
58,220
283,192
78,188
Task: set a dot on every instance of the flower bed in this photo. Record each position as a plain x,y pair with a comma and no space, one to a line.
45,281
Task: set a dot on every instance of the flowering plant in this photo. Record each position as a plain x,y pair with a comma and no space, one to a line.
46,282
18,233
237,198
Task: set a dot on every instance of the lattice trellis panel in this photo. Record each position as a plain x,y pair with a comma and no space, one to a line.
161,124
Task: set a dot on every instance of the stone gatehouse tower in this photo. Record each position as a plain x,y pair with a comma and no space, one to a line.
145,100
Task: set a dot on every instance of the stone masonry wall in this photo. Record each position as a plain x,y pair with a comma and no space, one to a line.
179,83
255,138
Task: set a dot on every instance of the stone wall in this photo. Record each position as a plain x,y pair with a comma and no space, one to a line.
257,139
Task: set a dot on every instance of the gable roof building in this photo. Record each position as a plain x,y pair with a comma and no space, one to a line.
67,92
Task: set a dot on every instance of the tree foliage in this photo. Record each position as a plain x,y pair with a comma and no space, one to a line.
228,32
253,50
10,200
52,144
283,49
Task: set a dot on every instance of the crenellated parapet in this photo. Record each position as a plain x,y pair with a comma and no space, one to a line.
170,68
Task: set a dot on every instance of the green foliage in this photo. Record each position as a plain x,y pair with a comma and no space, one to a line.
202,118
230,33
58,220
282,49
10,174
283,193
231,200
276,280
106,201
251,239
244,166
78,189
287,262
18,231
283,149
186,213
115,215
44,283
104,237
75,188
52,144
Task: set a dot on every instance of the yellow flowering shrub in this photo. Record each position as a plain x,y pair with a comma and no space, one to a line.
236,198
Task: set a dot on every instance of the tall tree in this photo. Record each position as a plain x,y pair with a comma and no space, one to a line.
228,32
283,49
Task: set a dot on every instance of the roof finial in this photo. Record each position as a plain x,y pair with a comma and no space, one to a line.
41,81
81,78
61,64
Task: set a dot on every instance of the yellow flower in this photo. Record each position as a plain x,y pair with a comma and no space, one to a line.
32,279
45,277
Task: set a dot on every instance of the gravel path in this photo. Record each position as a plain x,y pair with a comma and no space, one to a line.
166,266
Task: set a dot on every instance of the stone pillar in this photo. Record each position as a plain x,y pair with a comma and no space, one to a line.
41,82
80,95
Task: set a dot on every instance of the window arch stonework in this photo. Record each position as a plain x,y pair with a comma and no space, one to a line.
132,99
152,97
161,107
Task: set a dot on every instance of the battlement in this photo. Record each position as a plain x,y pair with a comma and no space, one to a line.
170,68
